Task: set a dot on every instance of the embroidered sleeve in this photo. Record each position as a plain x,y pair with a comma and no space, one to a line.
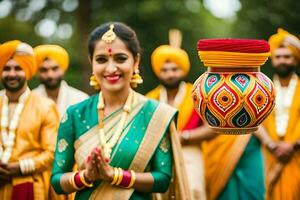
64,153
161,165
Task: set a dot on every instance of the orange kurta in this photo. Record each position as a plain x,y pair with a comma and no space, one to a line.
35,139
288,184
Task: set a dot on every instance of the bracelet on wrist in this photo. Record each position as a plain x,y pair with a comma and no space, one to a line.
83,180
116,176
75,181
123,178
132,181
27,166
120,176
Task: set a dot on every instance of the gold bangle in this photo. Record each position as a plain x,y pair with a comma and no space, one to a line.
132,181
81,176
116,175
120,177
72,181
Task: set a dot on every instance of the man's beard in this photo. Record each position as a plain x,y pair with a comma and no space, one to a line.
284,70
51,83
171,84
13,88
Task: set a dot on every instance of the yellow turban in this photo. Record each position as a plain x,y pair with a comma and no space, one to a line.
165,53
54,52
284,38
22,53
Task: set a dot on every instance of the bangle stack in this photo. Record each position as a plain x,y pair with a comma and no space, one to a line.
27,166
123,178
82,179
78,181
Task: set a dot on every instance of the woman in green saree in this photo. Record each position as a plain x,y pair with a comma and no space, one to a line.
124,145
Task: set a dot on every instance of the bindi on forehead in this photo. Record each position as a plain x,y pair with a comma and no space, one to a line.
109,51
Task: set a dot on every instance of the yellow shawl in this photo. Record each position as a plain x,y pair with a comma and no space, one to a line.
287,184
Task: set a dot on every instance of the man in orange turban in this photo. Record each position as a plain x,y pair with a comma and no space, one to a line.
28,127
283,125
53,62
21,53
171,65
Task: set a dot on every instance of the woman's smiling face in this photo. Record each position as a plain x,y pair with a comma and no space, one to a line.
113,65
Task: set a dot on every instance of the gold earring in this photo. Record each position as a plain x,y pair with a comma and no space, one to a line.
136,78
94,83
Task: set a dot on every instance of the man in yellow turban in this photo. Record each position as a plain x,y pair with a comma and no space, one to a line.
171,65
283,125
53,62
28,127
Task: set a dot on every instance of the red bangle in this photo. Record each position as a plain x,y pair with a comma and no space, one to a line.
126,179
78,181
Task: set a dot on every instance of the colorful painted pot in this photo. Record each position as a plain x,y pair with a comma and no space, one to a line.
233,100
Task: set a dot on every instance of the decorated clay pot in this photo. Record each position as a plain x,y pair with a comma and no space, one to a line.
233,96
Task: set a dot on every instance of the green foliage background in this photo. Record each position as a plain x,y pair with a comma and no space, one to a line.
151,19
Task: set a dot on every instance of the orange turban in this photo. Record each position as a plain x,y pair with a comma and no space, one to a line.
168,53
284,38
54,52
22,53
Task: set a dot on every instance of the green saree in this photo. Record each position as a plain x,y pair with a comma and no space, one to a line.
144,146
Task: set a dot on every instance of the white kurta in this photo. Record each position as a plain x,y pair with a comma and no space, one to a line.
284,100
67,96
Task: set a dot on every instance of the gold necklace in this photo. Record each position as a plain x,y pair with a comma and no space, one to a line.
104,143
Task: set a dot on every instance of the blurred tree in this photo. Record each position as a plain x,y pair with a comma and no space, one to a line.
69,22
261,19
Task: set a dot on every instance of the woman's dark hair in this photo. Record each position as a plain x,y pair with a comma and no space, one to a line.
124,32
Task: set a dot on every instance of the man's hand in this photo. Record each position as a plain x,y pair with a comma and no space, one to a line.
4,174
284,151
184,137
14,169
272,146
